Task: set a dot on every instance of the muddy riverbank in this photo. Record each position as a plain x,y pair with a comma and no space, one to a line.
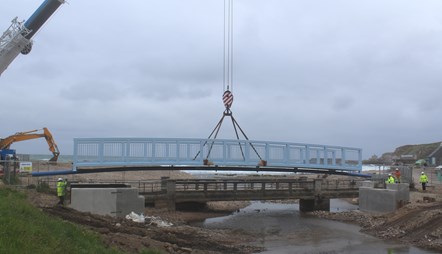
417,224
185,235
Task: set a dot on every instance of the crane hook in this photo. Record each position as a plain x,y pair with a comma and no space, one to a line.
228,99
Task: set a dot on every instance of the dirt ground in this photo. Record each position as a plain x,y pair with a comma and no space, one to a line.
132,237
418,223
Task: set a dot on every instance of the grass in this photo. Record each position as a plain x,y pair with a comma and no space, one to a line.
26,229
44,188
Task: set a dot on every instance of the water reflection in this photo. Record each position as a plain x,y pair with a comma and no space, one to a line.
281,228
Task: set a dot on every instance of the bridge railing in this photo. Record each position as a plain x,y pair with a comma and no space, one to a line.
96,152
264,184
242,185
156,187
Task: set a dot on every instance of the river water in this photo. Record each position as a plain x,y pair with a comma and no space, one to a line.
281,228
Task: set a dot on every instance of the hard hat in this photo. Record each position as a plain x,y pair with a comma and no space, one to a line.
422,173
389,174
397,169
60,179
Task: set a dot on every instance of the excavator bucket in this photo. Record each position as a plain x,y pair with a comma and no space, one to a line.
55,157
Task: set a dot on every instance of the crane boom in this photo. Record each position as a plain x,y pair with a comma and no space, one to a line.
5,144
17,38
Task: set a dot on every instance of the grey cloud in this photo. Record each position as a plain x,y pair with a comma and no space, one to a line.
352,73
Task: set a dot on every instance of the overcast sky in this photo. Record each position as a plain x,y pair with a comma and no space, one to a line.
363,74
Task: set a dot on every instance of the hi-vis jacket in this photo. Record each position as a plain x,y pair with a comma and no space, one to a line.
423,179
61,188
390,179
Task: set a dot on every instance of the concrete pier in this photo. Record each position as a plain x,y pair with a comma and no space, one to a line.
167,199
386,200
117,200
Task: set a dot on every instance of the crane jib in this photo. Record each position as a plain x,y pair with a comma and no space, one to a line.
17,38
41,15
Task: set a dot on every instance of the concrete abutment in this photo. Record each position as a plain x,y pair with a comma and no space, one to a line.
386,200
116,200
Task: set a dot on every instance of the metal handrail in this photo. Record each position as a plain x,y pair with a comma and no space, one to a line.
96,152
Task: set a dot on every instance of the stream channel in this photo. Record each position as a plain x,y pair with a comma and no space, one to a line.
281,229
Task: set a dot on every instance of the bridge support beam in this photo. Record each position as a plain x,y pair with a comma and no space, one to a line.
316,204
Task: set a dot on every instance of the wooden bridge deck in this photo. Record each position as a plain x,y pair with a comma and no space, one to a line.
205,190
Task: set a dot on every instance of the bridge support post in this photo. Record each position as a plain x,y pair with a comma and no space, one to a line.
317,203
167,201
164,183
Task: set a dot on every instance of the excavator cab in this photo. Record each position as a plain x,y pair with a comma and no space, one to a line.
6,153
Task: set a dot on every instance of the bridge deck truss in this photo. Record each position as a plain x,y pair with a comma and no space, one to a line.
106,152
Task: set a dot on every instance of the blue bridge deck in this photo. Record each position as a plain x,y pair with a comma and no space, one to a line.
180,152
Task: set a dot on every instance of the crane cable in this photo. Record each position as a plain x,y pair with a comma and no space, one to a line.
228,46
228,55
228,89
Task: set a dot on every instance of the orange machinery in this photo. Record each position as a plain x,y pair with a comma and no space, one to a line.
6,143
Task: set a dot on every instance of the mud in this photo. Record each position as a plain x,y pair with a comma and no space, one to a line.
419,223
133,237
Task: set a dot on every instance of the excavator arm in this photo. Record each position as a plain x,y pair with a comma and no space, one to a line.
22,136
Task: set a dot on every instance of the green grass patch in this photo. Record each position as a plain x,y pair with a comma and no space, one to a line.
26,229
44,188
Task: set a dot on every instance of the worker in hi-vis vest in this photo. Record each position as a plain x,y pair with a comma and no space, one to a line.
423,179
61,190
390,179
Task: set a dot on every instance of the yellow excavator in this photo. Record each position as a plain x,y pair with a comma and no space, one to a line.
6,143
